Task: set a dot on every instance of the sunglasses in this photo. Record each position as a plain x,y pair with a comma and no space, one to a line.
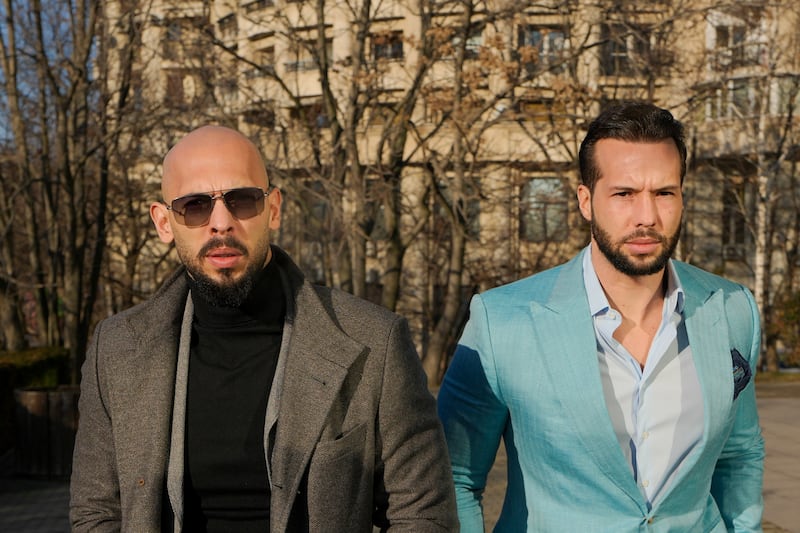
194,210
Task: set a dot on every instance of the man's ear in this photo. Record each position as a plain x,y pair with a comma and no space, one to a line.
274,205
585,202
160,216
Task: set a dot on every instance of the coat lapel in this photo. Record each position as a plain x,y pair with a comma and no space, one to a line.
318,357
566,318
149,372
175,469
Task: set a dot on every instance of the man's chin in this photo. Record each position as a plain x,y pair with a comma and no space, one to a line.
224,277
222,288
644,265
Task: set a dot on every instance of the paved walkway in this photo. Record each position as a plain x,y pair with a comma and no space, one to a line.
32,506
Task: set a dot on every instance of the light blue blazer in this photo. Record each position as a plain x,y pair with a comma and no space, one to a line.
526,370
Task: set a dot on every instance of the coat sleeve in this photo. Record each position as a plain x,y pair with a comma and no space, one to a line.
94,487
414,491
738,477
473,414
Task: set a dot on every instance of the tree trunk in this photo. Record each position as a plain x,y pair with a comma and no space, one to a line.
12,326
434,360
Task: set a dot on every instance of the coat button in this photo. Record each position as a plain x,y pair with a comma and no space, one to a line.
650,520
140,482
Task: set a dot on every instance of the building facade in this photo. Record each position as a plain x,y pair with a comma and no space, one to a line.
427,149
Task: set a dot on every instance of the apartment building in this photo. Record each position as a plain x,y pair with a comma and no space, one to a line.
436,136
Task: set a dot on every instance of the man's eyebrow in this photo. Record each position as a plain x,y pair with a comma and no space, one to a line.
633,188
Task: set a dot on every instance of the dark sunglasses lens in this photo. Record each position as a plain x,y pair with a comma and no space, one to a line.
194,209
245,203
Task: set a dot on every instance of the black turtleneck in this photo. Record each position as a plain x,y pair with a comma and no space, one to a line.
233,358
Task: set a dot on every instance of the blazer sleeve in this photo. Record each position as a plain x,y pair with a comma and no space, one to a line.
737,482
94,487
473,414
414,489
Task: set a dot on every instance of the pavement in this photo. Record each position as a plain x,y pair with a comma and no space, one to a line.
30,505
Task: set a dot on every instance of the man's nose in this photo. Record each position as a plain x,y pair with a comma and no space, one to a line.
221,220
646,210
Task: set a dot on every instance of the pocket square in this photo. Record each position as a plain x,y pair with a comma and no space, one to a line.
741,372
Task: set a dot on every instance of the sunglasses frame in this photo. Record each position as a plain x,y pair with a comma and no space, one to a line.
180,217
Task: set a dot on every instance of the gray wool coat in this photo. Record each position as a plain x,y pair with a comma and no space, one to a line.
352,438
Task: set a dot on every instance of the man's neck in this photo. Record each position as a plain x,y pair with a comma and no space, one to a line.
639,299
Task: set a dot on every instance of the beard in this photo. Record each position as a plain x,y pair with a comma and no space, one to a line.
229,291
630,265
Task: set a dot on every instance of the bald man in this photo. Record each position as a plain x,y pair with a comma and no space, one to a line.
240,397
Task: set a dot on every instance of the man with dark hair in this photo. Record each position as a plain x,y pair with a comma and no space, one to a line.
242,398
621,381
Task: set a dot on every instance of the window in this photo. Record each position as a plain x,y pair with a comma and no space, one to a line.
312,115
312,202
256,5
305,55
265,58
788,89
735,98
174,96
184,87
228,91
137,86
623,47
375,209
380,114
181,40
733,220
388,45
542,48
316,205
544,210
729,46
474,42
261,115
733,47
541,109
228,27
172,41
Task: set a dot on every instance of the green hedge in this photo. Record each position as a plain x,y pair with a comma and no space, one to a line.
36,367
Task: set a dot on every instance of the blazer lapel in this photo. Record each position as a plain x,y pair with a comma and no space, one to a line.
572,346
317,360
708,335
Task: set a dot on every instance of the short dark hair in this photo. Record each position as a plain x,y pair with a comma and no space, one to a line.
631,122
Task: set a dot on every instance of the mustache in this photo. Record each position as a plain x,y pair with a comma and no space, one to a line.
645,234
219,242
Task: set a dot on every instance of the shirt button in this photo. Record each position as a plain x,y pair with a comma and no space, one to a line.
645,483
645,435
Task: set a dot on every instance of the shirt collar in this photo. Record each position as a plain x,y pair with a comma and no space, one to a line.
598,303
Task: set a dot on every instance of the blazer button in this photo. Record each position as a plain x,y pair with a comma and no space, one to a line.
140,482
651,520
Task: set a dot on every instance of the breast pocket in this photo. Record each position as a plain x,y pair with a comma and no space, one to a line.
340,483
